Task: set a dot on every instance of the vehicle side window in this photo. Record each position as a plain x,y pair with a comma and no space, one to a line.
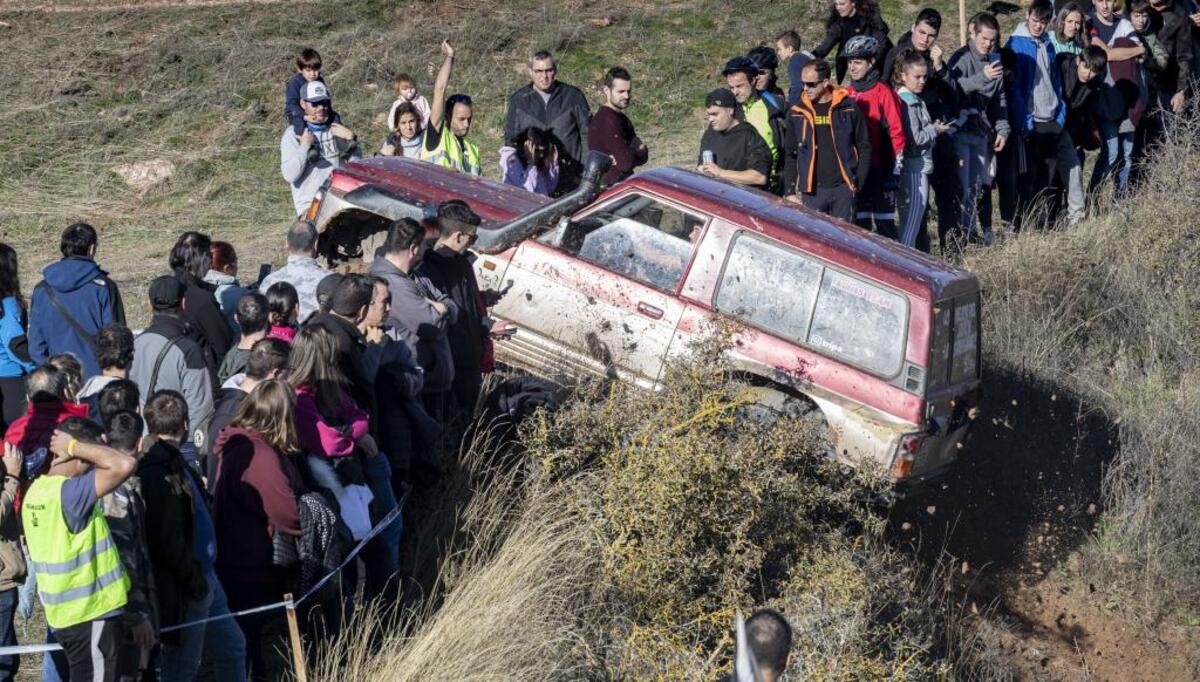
769,287
639,237
860,323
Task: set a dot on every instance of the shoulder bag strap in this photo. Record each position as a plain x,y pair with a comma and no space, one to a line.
162,354
66,315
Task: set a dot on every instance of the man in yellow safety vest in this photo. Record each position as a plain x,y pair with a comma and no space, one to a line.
445,141
767,119
81,582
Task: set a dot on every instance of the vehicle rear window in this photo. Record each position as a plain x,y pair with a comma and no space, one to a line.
939,351
802,299
965,360
770,287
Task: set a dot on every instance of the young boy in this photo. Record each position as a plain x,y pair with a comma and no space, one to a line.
787,49
875,202
182,544
1035,95
406,91
308,69
125,511
978,79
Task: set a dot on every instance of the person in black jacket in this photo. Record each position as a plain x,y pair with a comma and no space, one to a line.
190,259
267,357
183,549
849,18
447,268
826,146
547,103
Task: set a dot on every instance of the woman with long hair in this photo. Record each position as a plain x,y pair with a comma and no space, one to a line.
255,500
331,426
849,18
530,161
405,138
190,260
1069,32
15,363
283,311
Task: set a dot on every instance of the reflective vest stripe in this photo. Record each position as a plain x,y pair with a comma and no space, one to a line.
55,598
56,568
79,574
450,153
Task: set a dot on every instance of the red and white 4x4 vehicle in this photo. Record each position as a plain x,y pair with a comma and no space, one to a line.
882,339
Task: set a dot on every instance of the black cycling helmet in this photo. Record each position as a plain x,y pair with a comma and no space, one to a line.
763,57
860,47
740,65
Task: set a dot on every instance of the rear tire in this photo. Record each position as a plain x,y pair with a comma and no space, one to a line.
772,405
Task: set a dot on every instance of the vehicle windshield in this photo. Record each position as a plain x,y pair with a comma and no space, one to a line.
638,237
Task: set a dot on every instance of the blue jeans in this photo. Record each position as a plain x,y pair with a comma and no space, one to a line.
54,663
220,641
8,635
381,556
1115,158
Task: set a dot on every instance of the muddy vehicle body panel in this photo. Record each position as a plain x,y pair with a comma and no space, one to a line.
882,339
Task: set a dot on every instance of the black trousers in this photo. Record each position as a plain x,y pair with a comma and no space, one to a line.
12,393
91,644
837,202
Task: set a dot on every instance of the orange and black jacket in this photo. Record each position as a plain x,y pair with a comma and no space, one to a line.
852,144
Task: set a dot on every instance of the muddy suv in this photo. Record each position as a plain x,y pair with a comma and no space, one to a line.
880,339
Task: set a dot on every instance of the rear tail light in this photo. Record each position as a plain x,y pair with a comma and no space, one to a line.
314,207
906,454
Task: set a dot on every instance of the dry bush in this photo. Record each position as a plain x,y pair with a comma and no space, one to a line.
1109,309
703,512
624,535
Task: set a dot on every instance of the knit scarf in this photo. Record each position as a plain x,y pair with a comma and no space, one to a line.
866,83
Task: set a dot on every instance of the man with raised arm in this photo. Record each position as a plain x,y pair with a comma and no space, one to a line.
445,141
80,578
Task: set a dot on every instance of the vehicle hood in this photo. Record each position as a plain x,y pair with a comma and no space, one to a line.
71,274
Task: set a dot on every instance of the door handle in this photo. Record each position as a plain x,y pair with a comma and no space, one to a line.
650,311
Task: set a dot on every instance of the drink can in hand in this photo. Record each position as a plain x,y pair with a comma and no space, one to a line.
706,156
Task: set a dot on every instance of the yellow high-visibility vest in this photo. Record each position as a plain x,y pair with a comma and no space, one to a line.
79,575
451,152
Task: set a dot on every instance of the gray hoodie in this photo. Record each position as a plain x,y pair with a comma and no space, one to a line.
305,172
919,132
983,101
419,324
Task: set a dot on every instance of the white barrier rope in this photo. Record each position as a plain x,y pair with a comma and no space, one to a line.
384,522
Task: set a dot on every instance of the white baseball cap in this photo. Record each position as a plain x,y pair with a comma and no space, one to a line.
315,91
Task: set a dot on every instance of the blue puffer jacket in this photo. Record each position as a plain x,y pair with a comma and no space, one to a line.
1024,48
92,299
14,360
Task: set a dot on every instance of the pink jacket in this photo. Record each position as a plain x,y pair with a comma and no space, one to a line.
281,332
318,436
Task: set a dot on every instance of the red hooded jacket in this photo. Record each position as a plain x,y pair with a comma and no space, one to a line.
881,108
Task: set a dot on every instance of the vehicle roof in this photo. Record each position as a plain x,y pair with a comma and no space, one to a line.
494,202
882,258
878,257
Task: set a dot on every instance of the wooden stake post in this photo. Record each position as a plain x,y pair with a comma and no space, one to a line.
962,22
297,645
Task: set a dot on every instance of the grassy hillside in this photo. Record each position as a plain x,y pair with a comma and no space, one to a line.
1089,336
201,88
